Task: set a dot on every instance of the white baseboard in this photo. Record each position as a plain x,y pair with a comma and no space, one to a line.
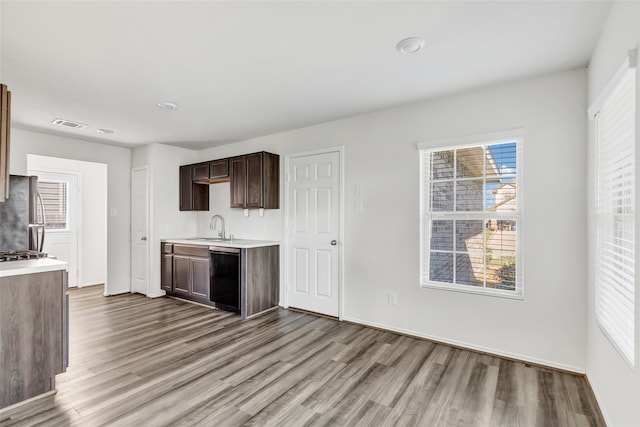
108,294
493,351
154,295
86,285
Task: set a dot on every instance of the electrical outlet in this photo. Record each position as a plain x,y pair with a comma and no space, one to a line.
393,298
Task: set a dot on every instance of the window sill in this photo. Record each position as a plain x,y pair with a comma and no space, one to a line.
518,295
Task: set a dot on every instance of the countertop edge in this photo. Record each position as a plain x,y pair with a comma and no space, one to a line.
224,244
42,265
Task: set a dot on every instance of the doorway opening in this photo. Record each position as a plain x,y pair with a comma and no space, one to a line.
75,198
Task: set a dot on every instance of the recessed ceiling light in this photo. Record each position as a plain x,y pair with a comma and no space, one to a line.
170,106
410,45
105,131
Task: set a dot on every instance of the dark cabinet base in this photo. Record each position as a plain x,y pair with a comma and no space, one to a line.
260,283
33,333
244,281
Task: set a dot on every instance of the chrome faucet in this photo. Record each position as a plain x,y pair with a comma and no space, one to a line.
212,225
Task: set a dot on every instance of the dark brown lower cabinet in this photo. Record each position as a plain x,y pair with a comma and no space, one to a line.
191,272
166,272
200,278
182,274
33,334
260,280
187,273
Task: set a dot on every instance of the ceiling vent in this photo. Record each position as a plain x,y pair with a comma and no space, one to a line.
69,124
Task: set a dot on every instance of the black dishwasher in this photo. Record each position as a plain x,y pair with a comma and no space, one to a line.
225,278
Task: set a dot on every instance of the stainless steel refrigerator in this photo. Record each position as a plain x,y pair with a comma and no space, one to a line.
22,216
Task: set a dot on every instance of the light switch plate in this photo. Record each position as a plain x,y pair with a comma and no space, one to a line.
392,298
357,206
358,190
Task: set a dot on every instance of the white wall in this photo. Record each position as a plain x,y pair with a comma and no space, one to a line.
93,212
118,161
382,244
167,220
615,383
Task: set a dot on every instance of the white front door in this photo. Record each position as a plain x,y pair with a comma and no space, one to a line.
59,192
313,240
140,230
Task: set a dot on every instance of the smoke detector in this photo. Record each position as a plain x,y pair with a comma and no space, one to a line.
69,124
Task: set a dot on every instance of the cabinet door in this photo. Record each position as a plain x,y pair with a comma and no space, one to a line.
270,181
219,169
238,174
200,278
166,272
186,193
255,193
200,171
181,275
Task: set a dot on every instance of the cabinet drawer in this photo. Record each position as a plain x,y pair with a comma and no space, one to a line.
166,248
199,251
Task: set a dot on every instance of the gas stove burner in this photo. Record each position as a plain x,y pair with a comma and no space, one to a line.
20,255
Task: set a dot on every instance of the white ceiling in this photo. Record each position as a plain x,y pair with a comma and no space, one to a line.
243,69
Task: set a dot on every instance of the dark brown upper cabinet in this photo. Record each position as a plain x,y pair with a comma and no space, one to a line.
193,196
211,172
219,170
238,174
200,171
255,181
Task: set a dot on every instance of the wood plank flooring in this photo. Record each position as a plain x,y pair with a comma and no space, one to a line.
136,361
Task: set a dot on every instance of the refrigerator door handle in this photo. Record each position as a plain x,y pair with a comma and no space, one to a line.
41,204
42,223
41,245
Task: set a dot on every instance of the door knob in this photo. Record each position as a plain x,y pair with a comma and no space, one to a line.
334,242
143,238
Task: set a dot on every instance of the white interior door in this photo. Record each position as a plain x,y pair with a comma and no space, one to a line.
140,230
59,193
313,223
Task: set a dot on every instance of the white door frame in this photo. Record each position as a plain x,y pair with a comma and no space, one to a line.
149,228
78,212
287,212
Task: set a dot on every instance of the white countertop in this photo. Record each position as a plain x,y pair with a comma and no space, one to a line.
235,243
28,266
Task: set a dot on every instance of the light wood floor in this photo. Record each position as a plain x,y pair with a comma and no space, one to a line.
154,362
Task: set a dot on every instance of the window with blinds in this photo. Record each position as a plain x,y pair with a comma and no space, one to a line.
54,198
470,211
615,258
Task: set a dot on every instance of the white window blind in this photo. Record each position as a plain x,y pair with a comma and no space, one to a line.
615,260
54,198
470,212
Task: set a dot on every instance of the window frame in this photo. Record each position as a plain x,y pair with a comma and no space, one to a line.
67,205
506,136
